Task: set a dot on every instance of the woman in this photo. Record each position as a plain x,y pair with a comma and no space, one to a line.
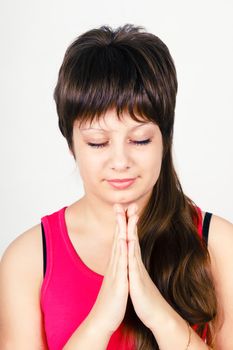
126,266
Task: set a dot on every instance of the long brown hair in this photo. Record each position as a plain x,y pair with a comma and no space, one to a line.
132,70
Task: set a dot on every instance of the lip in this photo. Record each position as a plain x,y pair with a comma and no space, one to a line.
121,180
121,183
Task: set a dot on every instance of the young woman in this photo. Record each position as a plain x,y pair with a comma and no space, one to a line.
134,263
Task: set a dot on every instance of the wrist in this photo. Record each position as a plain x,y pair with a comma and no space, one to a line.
166,323
177,328
166,317
181,335
96,326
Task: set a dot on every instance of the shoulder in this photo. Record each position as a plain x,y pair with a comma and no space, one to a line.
220,240
24,255
21,272
220,247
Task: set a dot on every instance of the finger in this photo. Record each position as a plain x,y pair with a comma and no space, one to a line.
134,249
131,250
114,243
121,220
117,209
121,265
120,246
131,230
137,245
132,209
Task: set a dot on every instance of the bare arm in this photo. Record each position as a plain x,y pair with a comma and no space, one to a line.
88,336
221,252
108,311
220,246
21,324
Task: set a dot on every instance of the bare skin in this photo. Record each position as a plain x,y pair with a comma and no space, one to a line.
23,262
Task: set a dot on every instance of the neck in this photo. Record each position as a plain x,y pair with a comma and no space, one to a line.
101,217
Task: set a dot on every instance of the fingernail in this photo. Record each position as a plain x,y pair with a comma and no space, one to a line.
116,208
119,209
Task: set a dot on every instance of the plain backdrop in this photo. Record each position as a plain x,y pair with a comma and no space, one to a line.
38,174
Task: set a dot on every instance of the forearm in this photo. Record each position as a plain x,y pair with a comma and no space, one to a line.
88,337
174,334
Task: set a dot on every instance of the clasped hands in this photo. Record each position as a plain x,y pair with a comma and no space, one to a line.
144,294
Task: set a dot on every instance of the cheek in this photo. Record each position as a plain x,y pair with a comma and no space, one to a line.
152,168
152,162
153,158
89,165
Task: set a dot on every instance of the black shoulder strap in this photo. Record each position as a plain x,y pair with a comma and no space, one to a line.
44,249
205,227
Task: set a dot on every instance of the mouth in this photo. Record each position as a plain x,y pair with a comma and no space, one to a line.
121,183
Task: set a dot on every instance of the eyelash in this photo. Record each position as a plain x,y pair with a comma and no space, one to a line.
137,143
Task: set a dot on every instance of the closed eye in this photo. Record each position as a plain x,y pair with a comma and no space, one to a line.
137,143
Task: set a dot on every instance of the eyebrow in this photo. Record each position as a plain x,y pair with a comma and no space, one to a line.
103,130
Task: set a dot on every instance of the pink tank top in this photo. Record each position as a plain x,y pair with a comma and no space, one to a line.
69,289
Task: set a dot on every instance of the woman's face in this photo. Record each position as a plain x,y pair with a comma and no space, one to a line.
113,149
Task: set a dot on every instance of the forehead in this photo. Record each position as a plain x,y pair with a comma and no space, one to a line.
111,122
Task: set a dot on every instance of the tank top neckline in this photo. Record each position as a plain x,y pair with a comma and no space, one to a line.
74,254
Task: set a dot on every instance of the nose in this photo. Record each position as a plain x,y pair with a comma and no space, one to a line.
120,158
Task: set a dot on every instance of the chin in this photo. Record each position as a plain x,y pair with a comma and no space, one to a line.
125,199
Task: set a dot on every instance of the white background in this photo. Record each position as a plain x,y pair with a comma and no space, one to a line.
38,175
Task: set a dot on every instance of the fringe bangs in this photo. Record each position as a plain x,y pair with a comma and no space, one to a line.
112,72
